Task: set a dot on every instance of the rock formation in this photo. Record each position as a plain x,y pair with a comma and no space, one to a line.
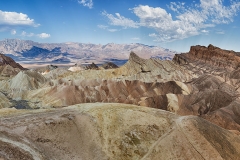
91,66
27,80
201,89
112,131
8,67
109,65
4,101
216,90
4,60
213,57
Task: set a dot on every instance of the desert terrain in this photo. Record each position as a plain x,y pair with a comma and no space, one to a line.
148,108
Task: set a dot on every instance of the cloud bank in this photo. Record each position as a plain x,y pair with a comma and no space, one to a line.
188,20
15,19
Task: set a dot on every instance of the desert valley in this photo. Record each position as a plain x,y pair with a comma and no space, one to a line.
152,104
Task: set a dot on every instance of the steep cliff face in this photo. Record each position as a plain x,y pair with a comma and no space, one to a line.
210,55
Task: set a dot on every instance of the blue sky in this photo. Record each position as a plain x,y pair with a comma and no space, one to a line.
170,24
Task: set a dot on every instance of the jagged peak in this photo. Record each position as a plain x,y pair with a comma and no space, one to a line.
212,47
133,54
135,58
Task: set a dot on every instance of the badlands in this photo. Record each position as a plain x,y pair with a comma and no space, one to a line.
185,108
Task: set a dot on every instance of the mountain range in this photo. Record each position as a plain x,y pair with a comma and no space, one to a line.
184,108
29,52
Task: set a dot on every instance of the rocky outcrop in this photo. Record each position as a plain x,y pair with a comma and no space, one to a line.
8,67
4,101
4,60
210,55
215,93
112,131
27,80
109,65
152,69
8,71
91,66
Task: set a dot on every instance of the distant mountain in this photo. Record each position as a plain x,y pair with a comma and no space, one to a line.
34,52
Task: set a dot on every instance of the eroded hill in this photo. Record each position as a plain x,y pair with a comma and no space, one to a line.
201,84
112,131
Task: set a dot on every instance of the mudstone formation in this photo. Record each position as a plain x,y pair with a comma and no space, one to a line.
187,108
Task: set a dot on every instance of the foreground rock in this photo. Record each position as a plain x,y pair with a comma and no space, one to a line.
112,131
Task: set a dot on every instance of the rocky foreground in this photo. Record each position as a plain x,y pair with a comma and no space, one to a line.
112,131
193,109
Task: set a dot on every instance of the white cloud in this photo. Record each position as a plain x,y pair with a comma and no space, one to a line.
107,28
43,35
204,31
86,3
13,32
189,20
176,6
167,28
118,20
16,19
217,12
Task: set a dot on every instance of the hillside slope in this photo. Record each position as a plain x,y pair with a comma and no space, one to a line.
112,131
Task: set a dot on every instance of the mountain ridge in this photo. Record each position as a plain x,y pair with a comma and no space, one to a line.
34,52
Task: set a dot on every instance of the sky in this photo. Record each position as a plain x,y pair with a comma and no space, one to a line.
175,25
